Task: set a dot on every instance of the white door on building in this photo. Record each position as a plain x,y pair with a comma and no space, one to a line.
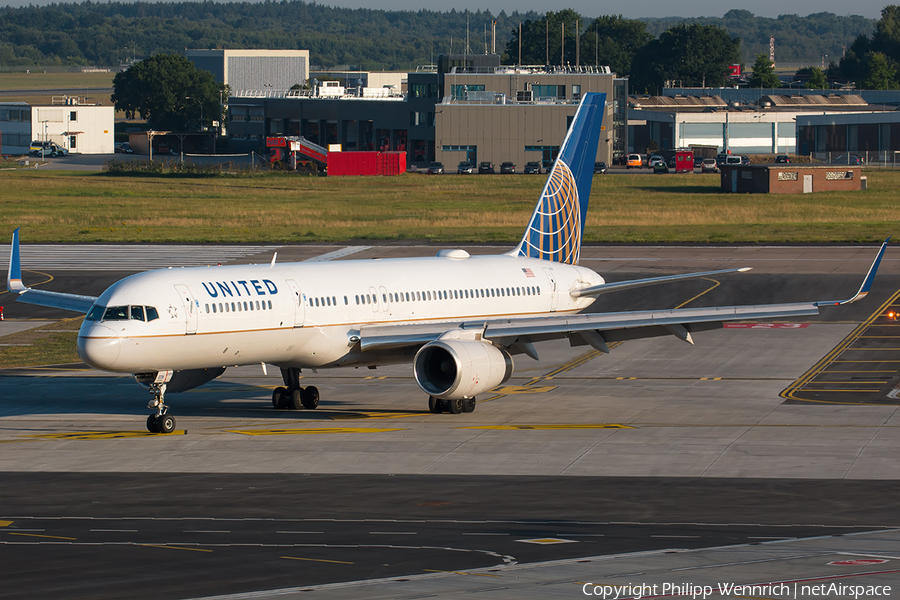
807,184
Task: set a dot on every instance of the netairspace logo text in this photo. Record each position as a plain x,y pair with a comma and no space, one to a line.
695,592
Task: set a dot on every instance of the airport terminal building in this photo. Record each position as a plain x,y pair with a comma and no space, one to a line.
467,107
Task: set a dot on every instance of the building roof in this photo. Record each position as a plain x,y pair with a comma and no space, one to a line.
830,101
681,103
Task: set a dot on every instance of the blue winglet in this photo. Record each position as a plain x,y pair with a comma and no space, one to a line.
867,282
14,275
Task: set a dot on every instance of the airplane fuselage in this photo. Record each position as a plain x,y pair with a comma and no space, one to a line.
309,314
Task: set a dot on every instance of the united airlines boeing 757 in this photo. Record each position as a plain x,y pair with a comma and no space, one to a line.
458,319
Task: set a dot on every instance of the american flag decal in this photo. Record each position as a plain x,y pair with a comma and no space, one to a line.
528,272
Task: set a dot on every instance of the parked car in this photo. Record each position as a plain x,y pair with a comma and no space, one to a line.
533,168
732,159
656,158
436,168
783,159
465,167
745,160
660,166
633,161
709,166
698,161
600,168
847,159
486,168
671,162
123,148
51,149
507,167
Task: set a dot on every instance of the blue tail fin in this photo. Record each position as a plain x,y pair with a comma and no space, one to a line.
557,224
14,275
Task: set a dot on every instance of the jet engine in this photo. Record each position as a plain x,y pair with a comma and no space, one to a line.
452,369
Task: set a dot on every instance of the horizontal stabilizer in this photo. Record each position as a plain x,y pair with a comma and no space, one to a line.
73,302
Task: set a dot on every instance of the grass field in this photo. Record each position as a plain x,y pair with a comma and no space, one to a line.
76,84
95,207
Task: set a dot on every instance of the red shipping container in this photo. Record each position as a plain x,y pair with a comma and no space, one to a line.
366,163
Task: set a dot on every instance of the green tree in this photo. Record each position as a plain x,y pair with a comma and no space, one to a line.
815,77
613,42
880,72
170,92
689,55
764,73
886,38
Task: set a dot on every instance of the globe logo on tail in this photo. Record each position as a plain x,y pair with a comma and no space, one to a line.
554,233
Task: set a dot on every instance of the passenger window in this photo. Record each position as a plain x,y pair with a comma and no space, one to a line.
214,308
270,304
346,301
384,297
232,307
357,299
251,305
245,306
116,313
96,313
207,308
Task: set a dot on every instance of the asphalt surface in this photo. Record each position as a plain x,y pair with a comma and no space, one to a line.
179,536
656,458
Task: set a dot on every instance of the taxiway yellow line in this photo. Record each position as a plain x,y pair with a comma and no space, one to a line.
174,547
55,537
338,562
829,358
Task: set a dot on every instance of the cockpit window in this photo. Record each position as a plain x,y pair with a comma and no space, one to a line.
116,313
121,313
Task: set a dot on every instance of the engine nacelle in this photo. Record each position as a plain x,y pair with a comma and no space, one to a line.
451,369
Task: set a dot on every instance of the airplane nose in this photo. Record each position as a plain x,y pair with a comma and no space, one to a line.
101,349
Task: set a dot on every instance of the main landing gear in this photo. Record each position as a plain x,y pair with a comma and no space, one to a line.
455,407
161,422
292,396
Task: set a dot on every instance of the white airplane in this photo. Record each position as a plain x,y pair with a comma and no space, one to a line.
458,318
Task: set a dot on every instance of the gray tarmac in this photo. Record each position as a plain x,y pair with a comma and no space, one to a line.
715,418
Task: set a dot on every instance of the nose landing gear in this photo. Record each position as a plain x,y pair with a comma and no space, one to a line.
160,422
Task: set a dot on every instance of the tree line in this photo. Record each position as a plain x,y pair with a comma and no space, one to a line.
873,62
93,33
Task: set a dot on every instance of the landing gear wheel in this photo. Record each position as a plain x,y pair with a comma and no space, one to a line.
152,424
469,405
166,423
434,405
295,401
310,397
454,406
278,395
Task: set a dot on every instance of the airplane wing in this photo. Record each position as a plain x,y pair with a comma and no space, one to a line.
73,302
599,329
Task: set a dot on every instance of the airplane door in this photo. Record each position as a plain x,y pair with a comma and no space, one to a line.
554,296
298,300
191,308
385,306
